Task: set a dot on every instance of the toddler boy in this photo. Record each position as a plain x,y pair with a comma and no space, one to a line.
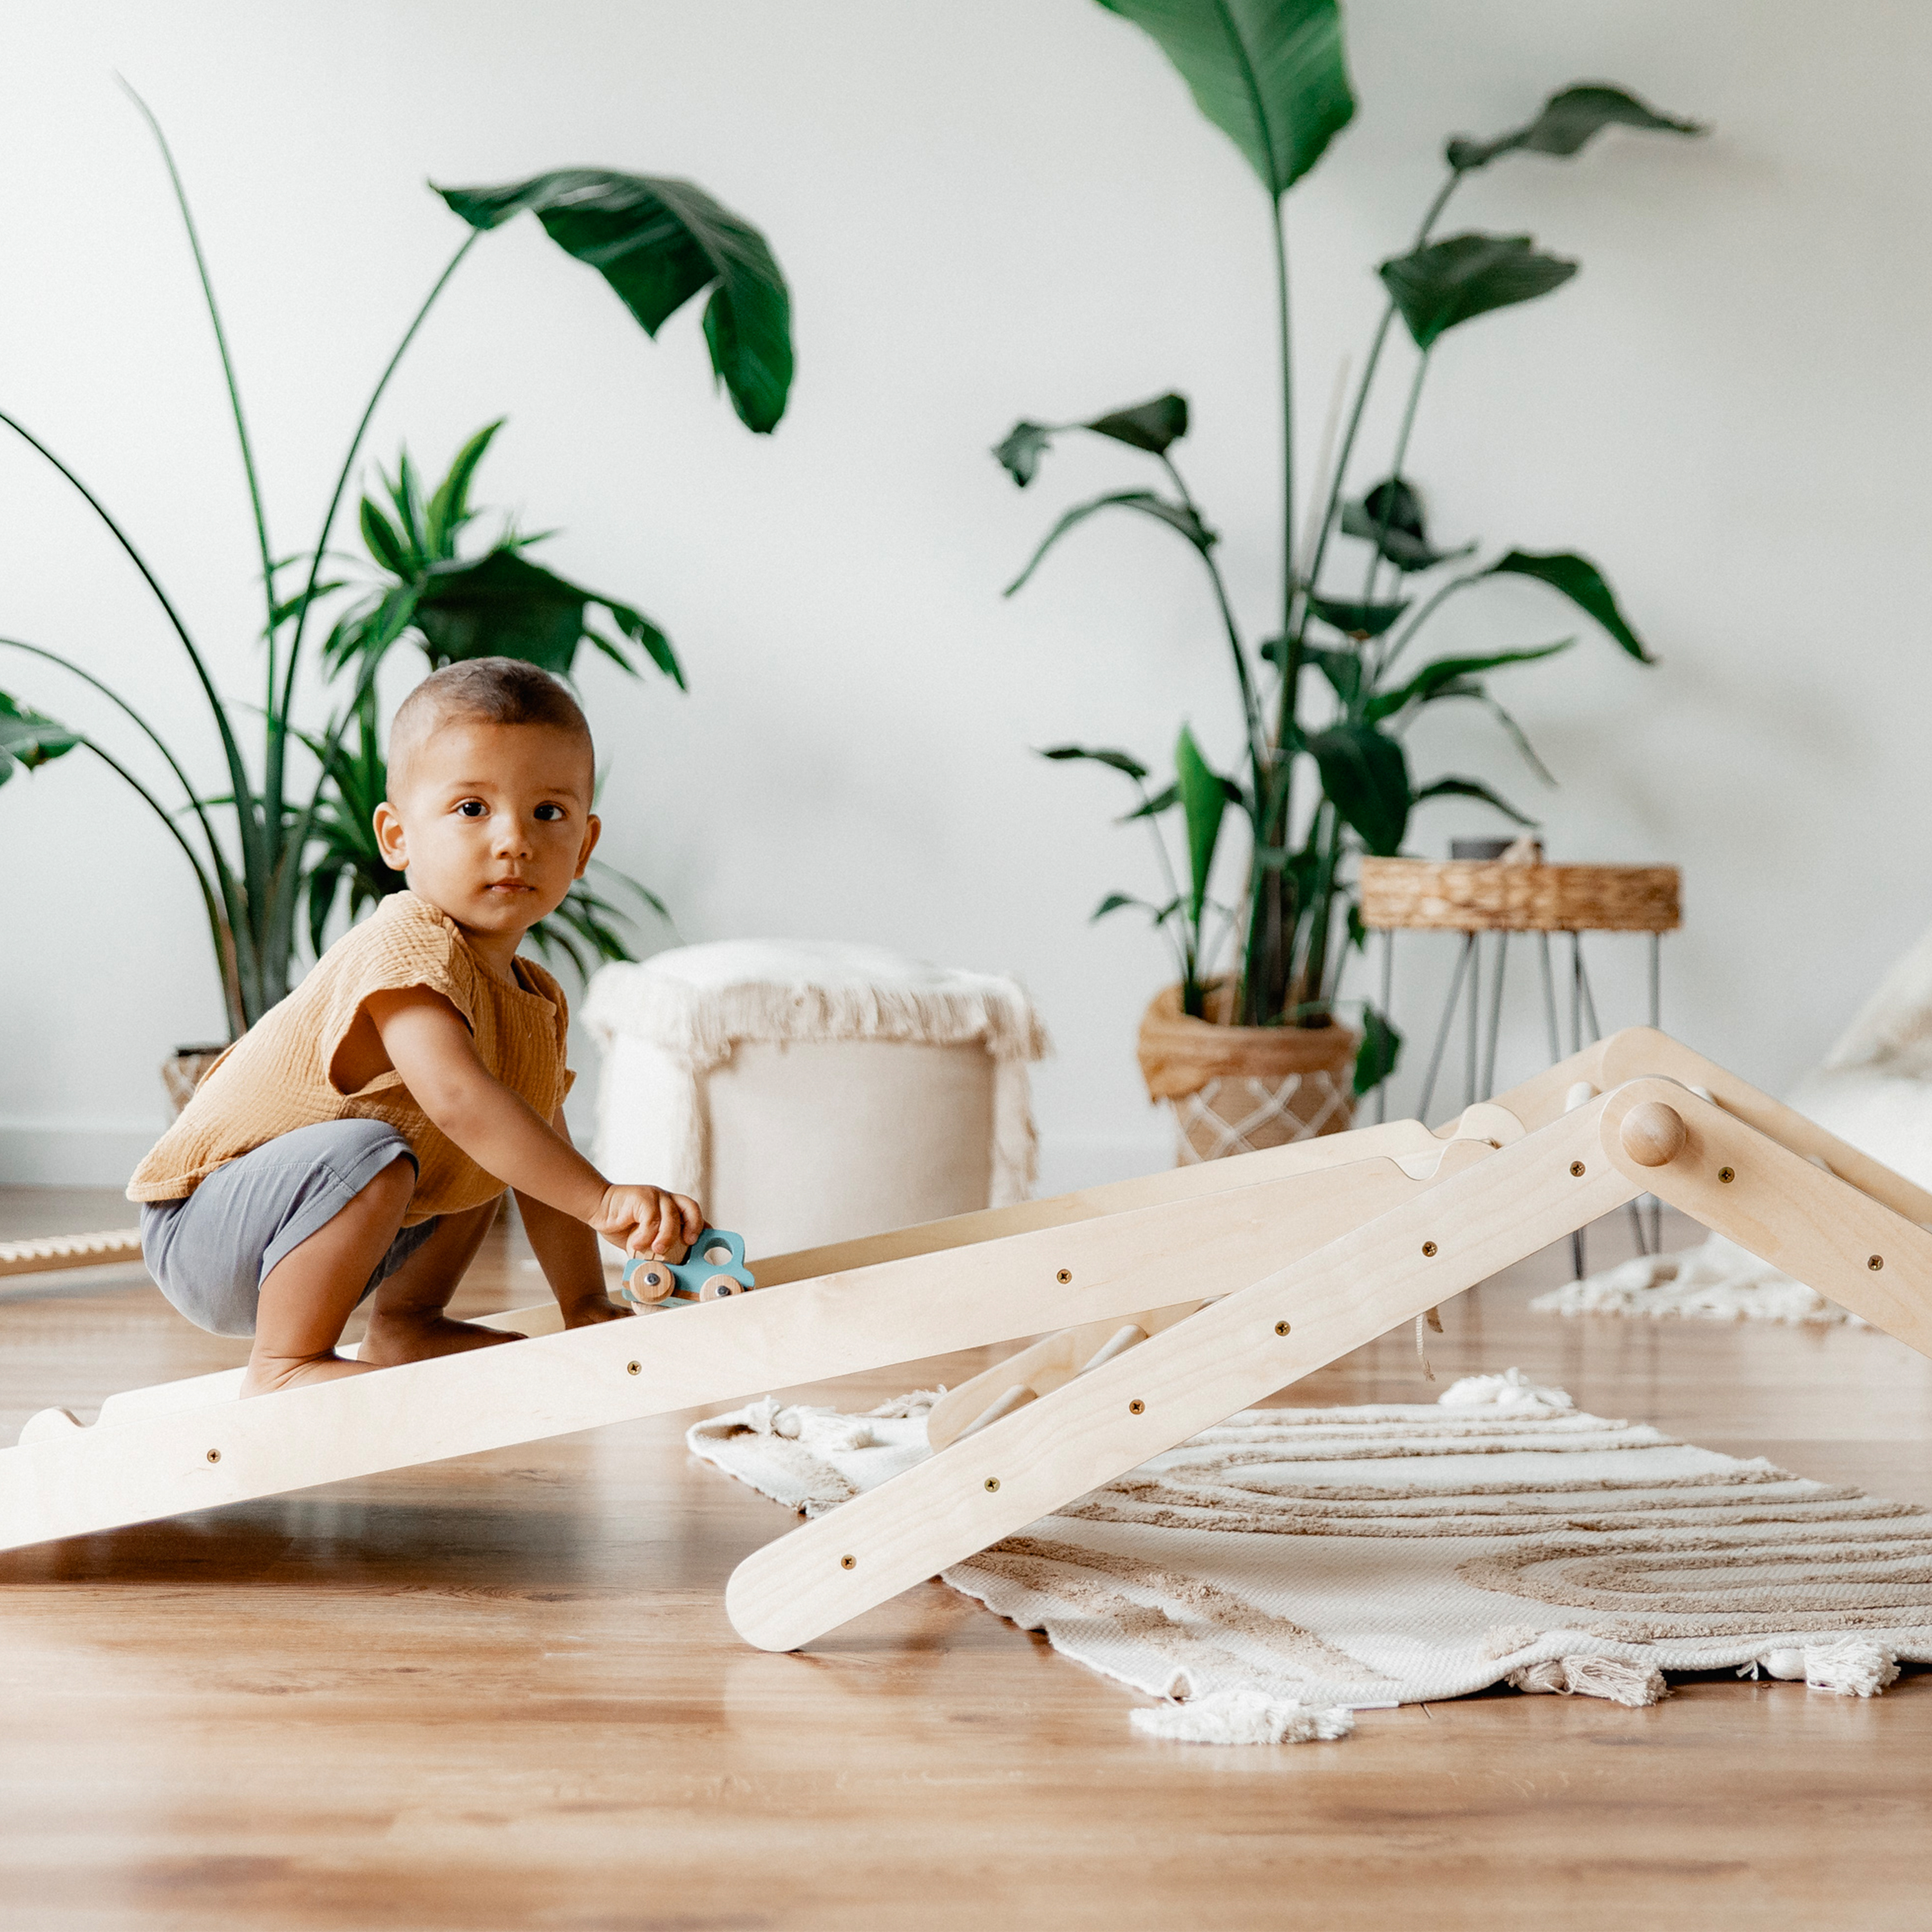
356,1139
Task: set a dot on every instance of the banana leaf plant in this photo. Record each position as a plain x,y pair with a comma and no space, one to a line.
1323,773
498,604
248,838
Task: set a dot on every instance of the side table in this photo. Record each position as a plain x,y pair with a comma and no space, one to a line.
1475,896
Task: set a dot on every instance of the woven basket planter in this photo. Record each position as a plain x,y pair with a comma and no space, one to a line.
1237,1089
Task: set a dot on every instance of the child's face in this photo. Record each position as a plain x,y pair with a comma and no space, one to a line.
493,822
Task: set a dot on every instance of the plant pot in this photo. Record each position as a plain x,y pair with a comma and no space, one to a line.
1236,1089
185,1069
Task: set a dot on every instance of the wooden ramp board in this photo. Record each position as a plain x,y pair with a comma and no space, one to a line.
1482,1212
190,1445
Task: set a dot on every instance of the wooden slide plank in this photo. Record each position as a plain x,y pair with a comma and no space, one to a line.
1484,1210
158,1462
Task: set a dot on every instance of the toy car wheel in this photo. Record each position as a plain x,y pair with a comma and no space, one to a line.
718,1287
651,1282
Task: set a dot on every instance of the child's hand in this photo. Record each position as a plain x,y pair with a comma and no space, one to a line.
649,1220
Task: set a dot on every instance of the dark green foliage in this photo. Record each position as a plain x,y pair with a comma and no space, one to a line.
659,242
1270,73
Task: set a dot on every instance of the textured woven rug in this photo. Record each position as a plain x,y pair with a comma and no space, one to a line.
1719,1282
1275,1572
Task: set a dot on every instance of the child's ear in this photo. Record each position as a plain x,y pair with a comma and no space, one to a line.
593,830
390,839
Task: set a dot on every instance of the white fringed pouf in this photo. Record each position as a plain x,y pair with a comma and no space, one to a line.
808,1092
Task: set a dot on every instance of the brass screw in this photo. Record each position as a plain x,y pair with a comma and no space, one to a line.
992,1484
1429,1250
634,1368
1727,1174
848,1562
1875,1263
1576,1169
1137,1407
1281,1327
1063,1277
214,1455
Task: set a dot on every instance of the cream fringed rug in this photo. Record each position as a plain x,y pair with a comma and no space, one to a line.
1274,1573
1719,1282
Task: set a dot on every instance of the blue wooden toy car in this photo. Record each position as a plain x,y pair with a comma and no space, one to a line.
714,1269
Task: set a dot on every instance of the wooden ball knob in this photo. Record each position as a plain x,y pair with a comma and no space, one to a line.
1653,1134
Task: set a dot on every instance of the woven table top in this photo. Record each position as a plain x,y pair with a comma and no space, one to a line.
1487,895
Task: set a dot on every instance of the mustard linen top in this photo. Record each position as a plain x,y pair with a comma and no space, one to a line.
275,1079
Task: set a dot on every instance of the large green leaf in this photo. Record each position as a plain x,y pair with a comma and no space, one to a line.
659,242
1119,761
1444,283
1381,1047
1390,516
1343,669
1440,678
503,605
1472,788
1176,516
1583,583
1269,73
1203,799
1568,120
1151,426
27,740
1353,616
1365,776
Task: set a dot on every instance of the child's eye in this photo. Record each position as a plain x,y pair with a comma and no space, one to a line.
473,808
550,812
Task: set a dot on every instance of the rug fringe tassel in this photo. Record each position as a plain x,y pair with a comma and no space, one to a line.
1243,1716
1586,1675
1849,1666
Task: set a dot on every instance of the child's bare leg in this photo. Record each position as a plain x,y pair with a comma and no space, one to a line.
313,1290
406,1321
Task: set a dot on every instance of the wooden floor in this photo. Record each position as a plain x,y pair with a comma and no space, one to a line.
502,1693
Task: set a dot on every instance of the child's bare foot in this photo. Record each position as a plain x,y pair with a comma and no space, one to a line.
269,1374
402,1337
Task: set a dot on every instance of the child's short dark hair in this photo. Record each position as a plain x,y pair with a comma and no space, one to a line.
494,691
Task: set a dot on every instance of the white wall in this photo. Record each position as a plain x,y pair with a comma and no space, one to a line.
985,211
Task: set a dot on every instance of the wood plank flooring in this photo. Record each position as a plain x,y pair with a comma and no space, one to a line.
502,1693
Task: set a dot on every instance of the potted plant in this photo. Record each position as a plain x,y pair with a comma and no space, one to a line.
269,838
1248,1042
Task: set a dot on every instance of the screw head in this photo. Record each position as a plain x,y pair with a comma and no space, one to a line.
214,1455
1281,1327
1727,1174
1429,1250
1063,1275
1137,1407
1875,1262
634,1368
848,1562
1576,1169
992,1484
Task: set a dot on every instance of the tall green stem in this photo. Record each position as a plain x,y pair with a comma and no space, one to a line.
253,855
1394,483
227,371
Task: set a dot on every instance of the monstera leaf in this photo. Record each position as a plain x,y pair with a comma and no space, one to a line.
27,740
1568,120
1448,282
1269,73
659,242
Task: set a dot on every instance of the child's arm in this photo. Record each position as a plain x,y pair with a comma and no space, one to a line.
427,1042
569,1254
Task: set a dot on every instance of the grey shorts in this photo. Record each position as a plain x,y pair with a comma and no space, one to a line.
210,1251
